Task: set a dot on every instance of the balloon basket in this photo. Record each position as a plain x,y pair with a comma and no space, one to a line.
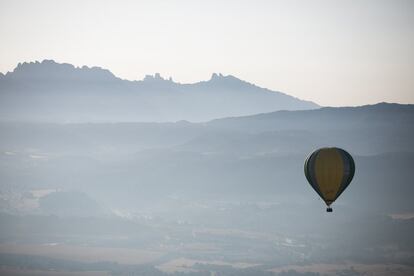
329,210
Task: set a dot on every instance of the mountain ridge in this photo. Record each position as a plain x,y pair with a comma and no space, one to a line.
63,92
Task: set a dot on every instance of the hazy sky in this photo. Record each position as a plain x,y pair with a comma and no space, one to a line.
331,52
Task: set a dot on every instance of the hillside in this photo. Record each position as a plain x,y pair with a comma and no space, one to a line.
234,157
232,187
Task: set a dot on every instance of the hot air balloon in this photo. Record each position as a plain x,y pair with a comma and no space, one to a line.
329,171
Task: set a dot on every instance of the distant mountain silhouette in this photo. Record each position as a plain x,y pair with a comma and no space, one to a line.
329,118
54,92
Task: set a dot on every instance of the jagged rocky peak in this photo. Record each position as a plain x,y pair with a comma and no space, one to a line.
45,64
216,76
156,78
226,80
50,69
221,77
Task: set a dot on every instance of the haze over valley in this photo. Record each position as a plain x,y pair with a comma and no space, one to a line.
103,176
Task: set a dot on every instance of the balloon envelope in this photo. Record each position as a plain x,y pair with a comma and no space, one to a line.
329,171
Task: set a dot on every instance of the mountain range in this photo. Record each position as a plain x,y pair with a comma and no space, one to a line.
58,92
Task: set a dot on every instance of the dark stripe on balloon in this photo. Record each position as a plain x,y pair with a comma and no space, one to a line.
312,175
349,169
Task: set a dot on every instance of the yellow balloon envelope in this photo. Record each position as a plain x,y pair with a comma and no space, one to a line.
329,171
